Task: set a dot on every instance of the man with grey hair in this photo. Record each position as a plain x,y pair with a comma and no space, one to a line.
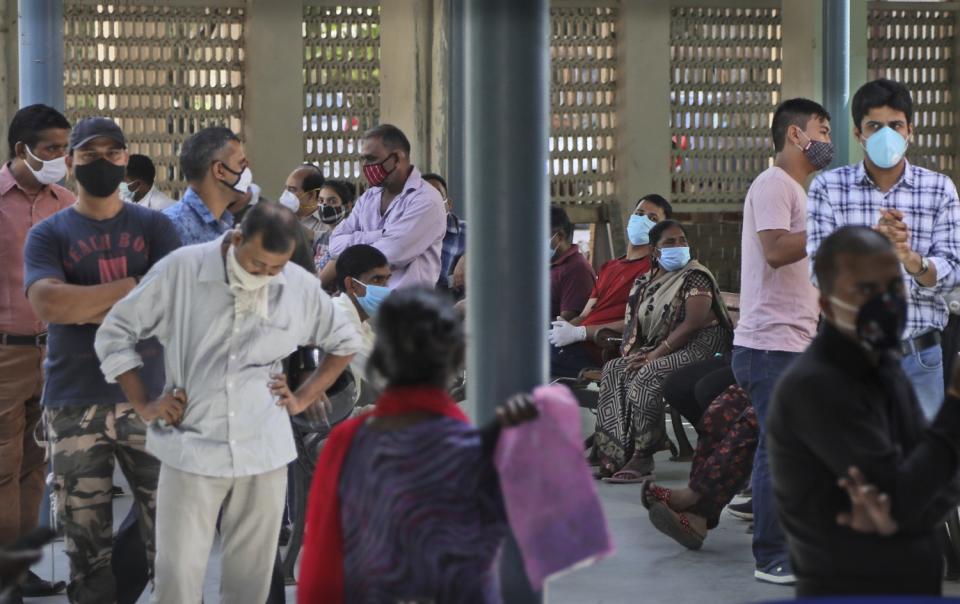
217,170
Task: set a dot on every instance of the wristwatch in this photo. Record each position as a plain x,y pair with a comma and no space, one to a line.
924,267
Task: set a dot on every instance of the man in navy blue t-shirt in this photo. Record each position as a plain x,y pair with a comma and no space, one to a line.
78,263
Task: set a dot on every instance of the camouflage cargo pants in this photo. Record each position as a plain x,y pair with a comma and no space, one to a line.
86,441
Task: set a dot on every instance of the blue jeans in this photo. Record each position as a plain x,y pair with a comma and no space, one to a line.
925,370
569,360
757,372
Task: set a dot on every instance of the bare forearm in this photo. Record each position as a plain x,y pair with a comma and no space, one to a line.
593,330
134,389
914,264
67,304
323,377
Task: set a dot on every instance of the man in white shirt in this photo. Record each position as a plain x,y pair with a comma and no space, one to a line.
138,185
227,313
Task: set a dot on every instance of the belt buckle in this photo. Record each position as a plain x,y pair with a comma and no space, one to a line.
38,339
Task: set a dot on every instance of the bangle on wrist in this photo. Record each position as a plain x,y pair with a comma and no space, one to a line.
666,342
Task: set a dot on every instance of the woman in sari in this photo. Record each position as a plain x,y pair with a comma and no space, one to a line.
406,503
674,317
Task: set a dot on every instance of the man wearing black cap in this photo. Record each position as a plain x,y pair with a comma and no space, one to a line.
78,263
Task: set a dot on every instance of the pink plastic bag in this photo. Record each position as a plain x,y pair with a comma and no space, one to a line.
551,500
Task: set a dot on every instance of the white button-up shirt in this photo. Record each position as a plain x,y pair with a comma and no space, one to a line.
232,425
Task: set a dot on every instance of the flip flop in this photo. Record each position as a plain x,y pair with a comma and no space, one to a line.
628,477
650,490
675,525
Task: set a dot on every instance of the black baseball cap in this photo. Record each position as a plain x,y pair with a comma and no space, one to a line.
94,127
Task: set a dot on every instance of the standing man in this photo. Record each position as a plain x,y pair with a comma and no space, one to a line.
454,240
227,312
78,263
216,168
138,185
916,208
571,276
400,214
38,138
778,303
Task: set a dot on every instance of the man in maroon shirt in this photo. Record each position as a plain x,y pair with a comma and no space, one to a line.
571,276
573,343
28,194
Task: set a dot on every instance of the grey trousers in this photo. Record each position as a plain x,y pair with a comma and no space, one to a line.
187,510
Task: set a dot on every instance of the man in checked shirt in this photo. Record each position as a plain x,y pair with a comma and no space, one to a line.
916,208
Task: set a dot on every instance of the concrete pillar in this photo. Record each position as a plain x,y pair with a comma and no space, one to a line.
41,52
802,27
406,69
439,88
8,68
858,68
643,118
273,94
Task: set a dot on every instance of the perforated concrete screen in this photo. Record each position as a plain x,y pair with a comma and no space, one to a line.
725,78
915,46
341,72
161,72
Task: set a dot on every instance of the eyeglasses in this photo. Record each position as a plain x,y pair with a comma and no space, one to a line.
89,156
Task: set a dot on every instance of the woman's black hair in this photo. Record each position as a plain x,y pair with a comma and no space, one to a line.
346,191
420,339
657,231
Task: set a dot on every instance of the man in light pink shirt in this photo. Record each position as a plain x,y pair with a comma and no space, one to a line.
778,303
28,194
401,214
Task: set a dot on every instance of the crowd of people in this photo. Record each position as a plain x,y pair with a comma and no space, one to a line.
178,338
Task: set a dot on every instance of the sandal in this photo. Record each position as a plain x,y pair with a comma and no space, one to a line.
660,494
675,525
628,477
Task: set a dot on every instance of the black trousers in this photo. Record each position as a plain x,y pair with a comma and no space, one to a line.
691,389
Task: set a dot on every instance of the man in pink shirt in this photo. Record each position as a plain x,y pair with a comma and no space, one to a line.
778,303
401,214
28,194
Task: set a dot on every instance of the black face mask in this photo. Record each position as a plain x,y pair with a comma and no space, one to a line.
880,321
100,178
330,214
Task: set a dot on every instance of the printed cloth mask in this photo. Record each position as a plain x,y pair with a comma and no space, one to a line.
886,147
100,178
51,170
818,153
879,323
331,214
674,258
371,300
638,229
376,173
250,292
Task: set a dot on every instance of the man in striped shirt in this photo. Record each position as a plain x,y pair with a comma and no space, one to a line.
916,208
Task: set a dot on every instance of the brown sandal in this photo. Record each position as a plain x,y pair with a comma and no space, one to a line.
675,525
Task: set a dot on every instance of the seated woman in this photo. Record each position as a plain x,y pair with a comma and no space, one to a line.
727,440
675,317
424,518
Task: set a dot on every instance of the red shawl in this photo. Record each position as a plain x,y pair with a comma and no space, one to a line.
321,568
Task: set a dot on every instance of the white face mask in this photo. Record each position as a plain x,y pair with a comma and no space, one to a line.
250,292
53,170
289,200
125,193
244,182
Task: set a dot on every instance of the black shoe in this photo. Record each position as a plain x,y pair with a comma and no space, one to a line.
743,511
116,492
35,587
750,529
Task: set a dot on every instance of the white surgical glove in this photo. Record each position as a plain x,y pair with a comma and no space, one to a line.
564,334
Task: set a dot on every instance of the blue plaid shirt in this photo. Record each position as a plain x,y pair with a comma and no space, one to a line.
194,221
454,246
928,200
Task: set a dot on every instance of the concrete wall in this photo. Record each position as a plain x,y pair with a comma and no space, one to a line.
8,69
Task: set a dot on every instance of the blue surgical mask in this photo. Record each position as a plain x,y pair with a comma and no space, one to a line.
638,229
674,258
370,301
886,147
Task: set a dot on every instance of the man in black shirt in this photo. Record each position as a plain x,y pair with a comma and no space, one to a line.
846,403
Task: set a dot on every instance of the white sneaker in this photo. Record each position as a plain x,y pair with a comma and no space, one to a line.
778,575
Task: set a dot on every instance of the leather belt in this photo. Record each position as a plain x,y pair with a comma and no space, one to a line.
921,342
7,339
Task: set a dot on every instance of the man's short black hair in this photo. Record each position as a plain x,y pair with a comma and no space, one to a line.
438,178
794,112
660,201
881,93
357,260
202,149
140,167
391,136
657,231
559,221
853,240
28,124
276,225
314,179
